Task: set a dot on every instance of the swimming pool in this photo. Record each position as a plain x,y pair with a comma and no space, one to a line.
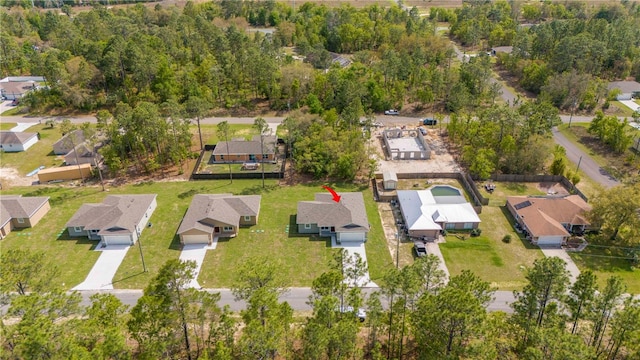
442,190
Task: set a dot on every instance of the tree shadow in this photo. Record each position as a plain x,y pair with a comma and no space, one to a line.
517,187
258,189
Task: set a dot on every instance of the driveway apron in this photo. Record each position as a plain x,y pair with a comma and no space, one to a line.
352,249
101,275
562,254
196,252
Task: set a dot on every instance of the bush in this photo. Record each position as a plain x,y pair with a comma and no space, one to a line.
476,232
506,239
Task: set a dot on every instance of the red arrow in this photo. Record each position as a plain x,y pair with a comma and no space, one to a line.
336,197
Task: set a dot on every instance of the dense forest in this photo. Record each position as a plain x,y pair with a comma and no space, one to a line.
416,314
341,63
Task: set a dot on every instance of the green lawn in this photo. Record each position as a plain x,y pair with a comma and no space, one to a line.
301,258
41,153
205,167
487,256
7,125
11,112
210,133
605,263
622,108
504,189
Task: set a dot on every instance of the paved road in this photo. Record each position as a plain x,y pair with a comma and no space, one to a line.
296,297
587,164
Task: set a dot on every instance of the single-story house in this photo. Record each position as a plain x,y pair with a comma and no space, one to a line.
389,180
21,212
11,141
243,151
427,212
62,173
12,90
85,155
628,89
68,142
347,219
118,220
211,215
549,221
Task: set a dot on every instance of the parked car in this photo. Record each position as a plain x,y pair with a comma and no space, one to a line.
361,314
378,124
423,131
429,121
392,112
420,248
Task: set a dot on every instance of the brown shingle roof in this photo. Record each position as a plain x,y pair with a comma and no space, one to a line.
348,215
544,216
224,208
16,206
243,147
117,214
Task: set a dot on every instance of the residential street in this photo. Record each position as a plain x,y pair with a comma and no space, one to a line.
587,165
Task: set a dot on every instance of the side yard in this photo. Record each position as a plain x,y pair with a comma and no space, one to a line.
606,262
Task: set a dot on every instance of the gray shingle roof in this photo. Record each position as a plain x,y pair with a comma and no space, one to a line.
348,215
224,208
16,206
116,214
66,143
11,137
624,86
243,147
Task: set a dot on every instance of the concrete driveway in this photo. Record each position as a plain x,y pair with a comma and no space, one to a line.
434,249
352,249
562,254
631,104
101,275
196,252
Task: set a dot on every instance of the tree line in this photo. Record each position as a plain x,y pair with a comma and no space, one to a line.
417,313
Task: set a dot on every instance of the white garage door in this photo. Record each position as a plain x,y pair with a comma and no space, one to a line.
357,236
195,239
117,240
550,241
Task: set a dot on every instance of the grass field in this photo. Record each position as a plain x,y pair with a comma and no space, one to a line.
7,125
210,132
41,153
606,262
205,167
301,258
487,256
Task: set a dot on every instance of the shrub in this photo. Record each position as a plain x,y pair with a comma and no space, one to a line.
476,232
506,239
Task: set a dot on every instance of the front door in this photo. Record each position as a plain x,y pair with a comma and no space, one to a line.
216,229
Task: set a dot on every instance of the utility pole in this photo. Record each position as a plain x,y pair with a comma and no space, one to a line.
579,161
397,250
573,108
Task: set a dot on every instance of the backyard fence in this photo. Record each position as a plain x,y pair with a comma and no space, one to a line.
195,175
541,178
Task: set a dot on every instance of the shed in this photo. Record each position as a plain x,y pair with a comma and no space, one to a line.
389,180
71,172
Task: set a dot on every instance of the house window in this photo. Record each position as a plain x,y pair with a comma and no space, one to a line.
77,228
247,218
252,157
450,226
221,157
265,156
468,225
93,231
324,228
227,228
307,226
20,220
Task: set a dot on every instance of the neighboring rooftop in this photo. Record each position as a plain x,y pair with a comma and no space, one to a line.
116,214
625,86
241,147
16,206
224,208
11,137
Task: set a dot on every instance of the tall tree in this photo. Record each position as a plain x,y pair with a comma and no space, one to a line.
603,310
615,211
24,271
581,295
197,108
225,130
262,127
547,283
267,321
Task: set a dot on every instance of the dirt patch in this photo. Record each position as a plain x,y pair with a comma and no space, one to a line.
390,228
552,188
11,177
